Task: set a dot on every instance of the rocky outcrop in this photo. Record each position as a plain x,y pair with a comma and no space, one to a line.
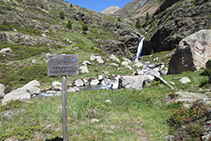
110,10
192,53
27,40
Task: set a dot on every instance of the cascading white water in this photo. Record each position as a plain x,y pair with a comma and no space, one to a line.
140,47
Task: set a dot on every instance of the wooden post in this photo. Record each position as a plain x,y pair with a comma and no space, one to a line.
64,108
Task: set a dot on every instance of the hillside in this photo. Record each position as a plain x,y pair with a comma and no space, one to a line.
110,10
113,97
138,8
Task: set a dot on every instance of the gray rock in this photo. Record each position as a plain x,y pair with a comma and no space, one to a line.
100,77
56,85
78,83
113,57
34,90
185,97
71,90
7,50
184,80
208,64
192,53
133,82
10,139
31,84
98,58
51,92
86,63
138,65
18,94
84,69
153,72
114,64
94,82
2,88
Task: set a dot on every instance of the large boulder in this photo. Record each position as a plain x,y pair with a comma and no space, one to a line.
18,94
135,82
192,53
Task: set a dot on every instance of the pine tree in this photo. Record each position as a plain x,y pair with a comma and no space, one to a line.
61,15
147,18
138,24
69,25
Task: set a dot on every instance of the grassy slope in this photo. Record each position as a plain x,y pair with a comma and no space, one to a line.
129,114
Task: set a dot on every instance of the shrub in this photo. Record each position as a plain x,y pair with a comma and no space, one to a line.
69,25
5,22
85,27
184,116
61,15
28,74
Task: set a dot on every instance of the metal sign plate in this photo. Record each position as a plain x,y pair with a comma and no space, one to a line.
63,64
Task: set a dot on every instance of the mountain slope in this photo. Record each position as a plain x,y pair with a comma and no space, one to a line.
138,8
110,10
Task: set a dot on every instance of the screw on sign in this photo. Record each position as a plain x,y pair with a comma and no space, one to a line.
63,65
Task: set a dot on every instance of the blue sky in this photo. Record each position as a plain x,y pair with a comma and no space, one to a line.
99,5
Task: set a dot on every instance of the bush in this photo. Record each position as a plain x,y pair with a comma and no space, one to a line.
184,116
61,15
85,27
29,73
5,22
69,25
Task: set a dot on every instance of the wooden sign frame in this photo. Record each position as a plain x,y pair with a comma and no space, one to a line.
63,65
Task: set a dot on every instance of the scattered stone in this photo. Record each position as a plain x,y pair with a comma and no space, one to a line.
114,64
138,65
84,69
86,63
2,89
51,92
98,58
18,94
169,138
94,120
100,77
184,80
56,85
129,67
76,89
78,83
7,50
43,35
108,101
113,57
94,82
71,90
85,81
125,63
127,60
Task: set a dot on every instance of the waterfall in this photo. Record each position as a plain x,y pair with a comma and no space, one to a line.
139,50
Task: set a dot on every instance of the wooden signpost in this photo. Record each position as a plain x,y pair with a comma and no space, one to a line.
63,65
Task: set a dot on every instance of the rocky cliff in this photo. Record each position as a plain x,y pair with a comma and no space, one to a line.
175,20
